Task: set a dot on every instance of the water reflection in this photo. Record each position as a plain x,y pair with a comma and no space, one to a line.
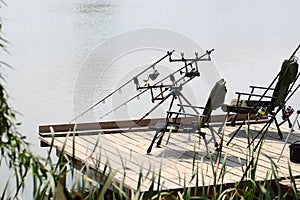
94,7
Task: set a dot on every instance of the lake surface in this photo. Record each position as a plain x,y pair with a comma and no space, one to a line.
51,41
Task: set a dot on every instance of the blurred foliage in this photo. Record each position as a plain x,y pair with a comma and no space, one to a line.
14,150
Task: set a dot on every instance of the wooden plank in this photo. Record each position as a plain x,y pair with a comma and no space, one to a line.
143,149
271,149
93,132
115,160
121,124
177,156
84,158
135,150
182,146
96,125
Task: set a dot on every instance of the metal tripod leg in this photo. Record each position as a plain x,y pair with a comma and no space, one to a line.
167,122
179,96
289,122
161,136
278,128
153,140
287,137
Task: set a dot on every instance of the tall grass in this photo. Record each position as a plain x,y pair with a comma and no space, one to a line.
46,174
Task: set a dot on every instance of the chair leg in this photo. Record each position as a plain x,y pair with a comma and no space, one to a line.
290,123
278,128
213,136
205,142
220,132
234,119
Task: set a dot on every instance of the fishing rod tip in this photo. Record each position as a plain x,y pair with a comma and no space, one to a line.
170,52
209,52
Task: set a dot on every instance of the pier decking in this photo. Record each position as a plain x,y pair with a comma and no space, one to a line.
175,163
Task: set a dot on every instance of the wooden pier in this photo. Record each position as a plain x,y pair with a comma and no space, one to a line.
114,144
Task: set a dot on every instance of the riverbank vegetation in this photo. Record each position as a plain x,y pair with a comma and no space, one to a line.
42,175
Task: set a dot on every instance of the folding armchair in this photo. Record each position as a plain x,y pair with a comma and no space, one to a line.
172,122
265,106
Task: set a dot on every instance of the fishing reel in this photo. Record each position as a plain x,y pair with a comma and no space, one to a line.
262,111
193,71
286,112
136,82
152,76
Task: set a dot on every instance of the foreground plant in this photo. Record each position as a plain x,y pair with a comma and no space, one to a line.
15,152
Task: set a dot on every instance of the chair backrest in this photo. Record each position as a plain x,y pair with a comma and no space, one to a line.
287,76
215,100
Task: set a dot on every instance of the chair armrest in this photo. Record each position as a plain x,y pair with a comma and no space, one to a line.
259,87
190,106
180,113
255,95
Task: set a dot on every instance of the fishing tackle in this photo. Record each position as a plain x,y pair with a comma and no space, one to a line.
189,73
286,112
134,79
261,112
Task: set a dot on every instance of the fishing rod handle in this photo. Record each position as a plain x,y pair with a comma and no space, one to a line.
294,52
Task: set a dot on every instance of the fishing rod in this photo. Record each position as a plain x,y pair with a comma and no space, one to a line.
267,125
187,73
163,79
272,118
175,92
134,97
192,61
129,100
287,138
262,96
169,53
280,107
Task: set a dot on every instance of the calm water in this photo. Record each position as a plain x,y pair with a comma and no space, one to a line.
49,41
